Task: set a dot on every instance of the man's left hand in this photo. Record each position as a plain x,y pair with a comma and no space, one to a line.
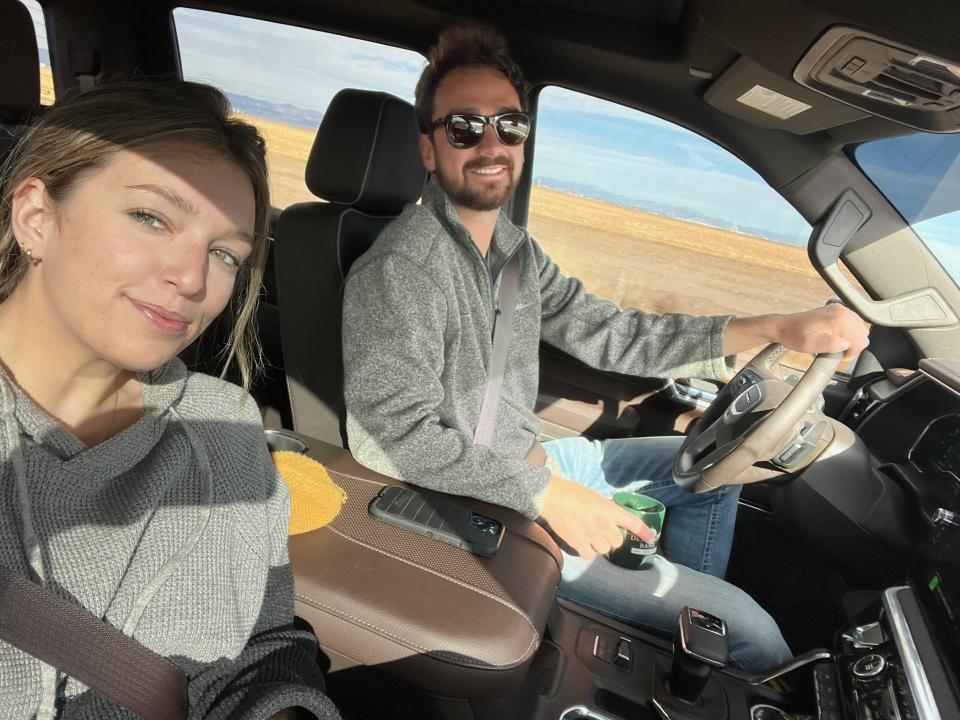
828,329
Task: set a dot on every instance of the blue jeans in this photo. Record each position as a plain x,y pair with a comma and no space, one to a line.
697,535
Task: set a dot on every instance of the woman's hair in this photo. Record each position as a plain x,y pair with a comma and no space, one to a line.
469,45
80,133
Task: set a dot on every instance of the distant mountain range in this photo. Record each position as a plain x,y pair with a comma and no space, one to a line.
280,112
310,119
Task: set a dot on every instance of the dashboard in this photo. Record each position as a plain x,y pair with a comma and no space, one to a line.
912,432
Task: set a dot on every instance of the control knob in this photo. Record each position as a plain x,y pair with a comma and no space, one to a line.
869,666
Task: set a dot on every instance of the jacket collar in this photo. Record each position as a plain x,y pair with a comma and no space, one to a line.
506,236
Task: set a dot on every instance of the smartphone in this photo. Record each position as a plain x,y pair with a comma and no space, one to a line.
438,519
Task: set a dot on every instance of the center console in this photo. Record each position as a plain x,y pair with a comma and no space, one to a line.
485,639
883,668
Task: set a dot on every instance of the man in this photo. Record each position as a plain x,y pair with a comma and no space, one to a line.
418,316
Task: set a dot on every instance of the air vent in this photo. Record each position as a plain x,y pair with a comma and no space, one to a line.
884,78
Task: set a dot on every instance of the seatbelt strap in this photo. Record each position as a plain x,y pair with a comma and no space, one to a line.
503,325
76,642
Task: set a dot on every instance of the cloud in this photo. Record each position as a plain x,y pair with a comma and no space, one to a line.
582,139
293,65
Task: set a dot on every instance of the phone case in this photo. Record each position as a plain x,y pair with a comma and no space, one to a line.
438,519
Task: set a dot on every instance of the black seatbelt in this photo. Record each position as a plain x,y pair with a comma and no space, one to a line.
76,642
503,324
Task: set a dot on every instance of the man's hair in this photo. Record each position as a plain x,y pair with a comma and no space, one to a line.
465,46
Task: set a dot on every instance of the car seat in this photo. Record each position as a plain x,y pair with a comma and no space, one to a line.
365,166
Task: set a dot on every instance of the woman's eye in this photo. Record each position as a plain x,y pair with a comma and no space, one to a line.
227,258
148,219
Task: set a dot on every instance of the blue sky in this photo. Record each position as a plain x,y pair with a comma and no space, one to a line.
584,145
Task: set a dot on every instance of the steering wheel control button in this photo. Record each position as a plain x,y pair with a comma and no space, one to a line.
747,400
869,666
746,377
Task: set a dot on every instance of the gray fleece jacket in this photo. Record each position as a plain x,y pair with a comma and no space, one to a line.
175,532
417,326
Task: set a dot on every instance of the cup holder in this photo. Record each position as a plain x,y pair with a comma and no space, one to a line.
279,440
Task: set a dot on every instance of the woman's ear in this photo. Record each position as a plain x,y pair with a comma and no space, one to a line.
30,213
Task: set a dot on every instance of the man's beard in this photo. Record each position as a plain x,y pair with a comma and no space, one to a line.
482,199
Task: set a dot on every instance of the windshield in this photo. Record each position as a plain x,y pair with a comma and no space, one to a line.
920,175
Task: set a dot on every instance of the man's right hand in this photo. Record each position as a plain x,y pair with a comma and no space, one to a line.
586,521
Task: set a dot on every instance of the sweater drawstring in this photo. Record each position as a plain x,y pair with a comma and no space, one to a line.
170,566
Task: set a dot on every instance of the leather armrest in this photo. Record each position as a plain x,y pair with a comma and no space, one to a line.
440,617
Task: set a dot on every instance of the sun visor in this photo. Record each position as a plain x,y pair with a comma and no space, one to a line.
759,97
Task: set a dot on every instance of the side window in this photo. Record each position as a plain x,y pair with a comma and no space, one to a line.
281,78
653,216
920,175
47,95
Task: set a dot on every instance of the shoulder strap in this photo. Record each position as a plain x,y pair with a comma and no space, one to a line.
76,642
502,327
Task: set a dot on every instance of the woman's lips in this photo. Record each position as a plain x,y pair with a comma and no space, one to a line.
163,320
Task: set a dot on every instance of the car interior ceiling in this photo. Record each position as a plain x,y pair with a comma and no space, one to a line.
682,60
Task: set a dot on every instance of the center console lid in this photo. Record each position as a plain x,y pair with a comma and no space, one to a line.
438,616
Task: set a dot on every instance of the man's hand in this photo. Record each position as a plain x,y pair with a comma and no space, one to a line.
828,329
587,521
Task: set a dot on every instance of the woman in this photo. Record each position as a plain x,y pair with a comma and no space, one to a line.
131,216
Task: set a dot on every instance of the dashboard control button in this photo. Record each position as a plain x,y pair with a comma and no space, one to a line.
624,656
869,666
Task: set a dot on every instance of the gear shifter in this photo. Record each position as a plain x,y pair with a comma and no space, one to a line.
699,646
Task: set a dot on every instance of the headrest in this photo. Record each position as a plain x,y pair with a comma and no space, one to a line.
19,64
366,153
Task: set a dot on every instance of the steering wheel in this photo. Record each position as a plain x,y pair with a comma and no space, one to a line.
758,418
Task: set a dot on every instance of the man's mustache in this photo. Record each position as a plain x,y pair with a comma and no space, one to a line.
482,162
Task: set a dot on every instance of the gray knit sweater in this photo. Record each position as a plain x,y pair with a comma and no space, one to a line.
175,532
417,324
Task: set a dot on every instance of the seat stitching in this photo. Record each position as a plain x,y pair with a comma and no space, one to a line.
443,576
438,653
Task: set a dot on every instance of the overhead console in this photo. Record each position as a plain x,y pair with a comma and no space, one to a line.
884,78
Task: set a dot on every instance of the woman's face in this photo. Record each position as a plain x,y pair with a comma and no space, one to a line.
143,253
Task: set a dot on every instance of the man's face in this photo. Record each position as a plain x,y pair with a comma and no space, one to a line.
480,178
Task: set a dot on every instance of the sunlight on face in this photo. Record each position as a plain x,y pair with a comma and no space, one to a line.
144,253
481,177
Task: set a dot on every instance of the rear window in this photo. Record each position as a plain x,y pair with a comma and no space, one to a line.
47,95
920,176
281,79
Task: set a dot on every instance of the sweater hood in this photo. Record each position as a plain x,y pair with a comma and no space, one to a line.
162,389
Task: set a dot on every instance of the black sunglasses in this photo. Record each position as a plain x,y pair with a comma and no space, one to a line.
465,130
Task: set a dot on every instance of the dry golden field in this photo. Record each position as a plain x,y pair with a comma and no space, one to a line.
635,258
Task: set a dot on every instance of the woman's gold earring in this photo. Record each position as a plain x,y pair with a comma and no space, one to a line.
33,261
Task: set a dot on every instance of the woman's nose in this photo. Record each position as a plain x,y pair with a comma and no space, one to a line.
187,269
